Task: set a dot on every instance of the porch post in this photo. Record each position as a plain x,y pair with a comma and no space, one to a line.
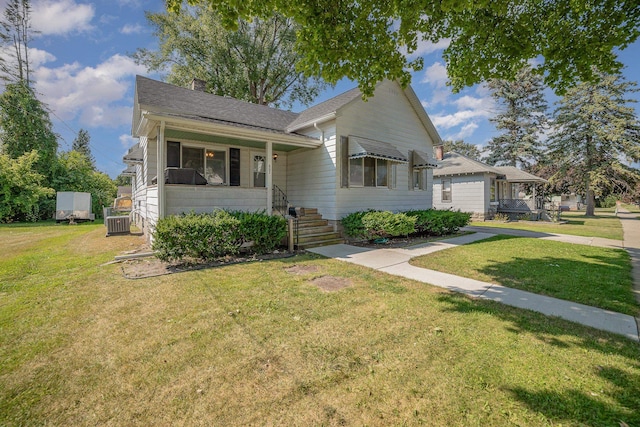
161,167
269,178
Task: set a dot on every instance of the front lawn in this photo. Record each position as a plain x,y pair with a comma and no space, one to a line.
605,224
263,344
595,276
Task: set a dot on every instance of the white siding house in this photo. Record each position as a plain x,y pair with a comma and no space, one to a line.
199,151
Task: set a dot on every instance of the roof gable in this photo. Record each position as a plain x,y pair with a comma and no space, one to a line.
453,163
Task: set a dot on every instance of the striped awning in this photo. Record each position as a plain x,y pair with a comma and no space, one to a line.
363,147
422,160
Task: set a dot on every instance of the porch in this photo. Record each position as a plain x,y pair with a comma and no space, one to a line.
534,207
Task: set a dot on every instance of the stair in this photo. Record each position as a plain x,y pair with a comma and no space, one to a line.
313,231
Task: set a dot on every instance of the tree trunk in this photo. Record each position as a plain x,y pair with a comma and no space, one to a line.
591,201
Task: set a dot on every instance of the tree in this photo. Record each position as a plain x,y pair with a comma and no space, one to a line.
522,119
372,40
21,188
74,172
25,126
122,180
15,35
81,144
255,63
595,131
464,148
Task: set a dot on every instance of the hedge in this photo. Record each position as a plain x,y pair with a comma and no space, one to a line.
370,224
205,237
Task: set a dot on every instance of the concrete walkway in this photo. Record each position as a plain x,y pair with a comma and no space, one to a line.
396,261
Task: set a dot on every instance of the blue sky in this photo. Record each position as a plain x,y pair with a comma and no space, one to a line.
83,73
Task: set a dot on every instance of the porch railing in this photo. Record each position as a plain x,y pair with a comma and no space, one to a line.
519,205
280,202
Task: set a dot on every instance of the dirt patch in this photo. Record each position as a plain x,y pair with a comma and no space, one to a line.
332,283
300,270
141,268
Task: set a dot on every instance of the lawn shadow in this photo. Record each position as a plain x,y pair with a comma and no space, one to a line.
589,407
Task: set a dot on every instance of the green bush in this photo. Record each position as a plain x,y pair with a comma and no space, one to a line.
265,231
352,224
609,201
434,222
383,224
197,236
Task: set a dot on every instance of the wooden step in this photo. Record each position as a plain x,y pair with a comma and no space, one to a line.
316,244
314,231
303,231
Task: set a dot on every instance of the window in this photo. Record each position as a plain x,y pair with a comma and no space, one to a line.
492,189
259,166
210,163
446,190
368,172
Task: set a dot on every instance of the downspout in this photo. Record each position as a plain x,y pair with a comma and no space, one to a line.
315,125
161,167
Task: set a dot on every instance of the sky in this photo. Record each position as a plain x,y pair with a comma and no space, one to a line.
83,73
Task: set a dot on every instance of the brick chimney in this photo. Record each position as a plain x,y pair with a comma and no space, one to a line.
199,85
439,149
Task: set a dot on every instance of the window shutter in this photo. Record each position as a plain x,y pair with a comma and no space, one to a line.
344,162
410,169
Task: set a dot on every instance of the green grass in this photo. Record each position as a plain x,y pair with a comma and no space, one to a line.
595,276
254,344
604,224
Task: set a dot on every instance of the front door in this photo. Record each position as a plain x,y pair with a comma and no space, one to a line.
259,165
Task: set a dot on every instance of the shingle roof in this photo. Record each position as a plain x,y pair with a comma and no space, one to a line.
169,98
514,174
456,164
324,108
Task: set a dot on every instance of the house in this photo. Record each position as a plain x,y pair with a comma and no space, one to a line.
340,156
461,183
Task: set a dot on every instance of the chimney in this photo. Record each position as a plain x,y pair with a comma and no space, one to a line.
199,85
439,152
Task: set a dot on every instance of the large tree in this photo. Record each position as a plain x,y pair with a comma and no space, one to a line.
255,63
371,40
25,126
82,144
597,136
522,119
15,35
464,148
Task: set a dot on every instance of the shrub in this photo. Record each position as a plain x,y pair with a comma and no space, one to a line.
265,231
199,236
352,224
381,224
434,222
609,201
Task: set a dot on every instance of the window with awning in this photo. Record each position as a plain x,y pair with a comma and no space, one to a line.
421,160
363,147
367,162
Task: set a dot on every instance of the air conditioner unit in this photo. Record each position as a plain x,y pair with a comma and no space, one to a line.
117,225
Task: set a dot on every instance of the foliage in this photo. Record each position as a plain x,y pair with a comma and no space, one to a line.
122,180
522,119
265,231
501,217
352,224
202,237
609,202
434,222
373,40
595,130
82,144
255,63
74,172
15,35
465,148
21,188
25,126
387,224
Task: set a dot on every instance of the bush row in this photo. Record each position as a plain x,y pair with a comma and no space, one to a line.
372,224
206,237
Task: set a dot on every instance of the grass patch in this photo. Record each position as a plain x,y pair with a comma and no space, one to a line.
605,224
595,276
254,344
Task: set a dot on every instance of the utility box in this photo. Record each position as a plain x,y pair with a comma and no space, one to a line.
120,224
73,206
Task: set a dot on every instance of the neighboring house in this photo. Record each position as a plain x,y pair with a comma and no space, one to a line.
340,156
464,184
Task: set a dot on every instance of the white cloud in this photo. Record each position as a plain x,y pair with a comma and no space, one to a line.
60,17
465,131
90,93
38,57
426,47
132,29
127,141
458,118
436,75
